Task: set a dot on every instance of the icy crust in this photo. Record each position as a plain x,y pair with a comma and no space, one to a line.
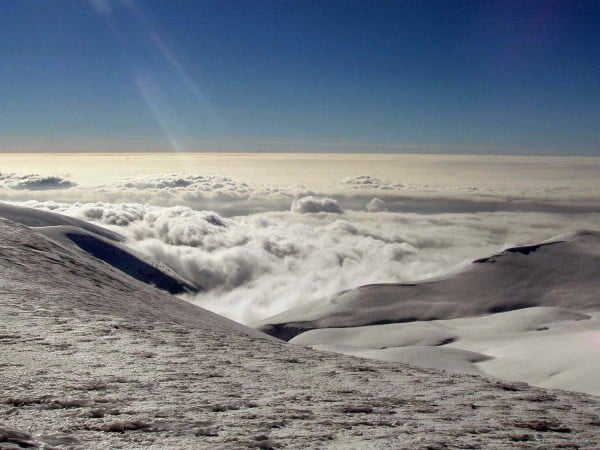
562,272
90,358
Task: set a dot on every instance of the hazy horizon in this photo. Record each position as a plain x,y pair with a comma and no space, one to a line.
319,170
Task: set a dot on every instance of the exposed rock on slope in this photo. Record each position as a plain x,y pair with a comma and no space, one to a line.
90,357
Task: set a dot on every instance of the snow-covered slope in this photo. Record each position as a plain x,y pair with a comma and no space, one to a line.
37,218
121,257
563,272
549,347
101,243
92,358
484,319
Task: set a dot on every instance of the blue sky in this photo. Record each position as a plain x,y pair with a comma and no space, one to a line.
433,77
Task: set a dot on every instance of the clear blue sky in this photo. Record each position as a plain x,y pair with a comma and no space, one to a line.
424,76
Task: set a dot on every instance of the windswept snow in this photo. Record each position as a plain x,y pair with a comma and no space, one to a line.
529,313
121,257
549,347
35,218
453,360
101,243
90,357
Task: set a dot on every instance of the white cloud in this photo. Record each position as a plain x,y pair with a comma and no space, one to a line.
369,182
313,204
229,197
260,264
33,182
256,255
208,184
376,205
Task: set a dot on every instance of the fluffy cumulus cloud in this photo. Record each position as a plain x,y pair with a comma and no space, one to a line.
260,264
230,198
369,182
313,204
376,205
33,182
202,192
199,192
260,249
216,187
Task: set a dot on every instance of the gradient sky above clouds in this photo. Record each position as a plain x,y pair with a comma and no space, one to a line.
458,77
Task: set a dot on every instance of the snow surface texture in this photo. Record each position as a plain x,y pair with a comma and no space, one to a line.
532,303
90,357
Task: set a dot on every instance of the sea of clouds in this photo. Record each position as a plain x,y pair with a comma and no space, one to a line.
33,182
230,197
258,250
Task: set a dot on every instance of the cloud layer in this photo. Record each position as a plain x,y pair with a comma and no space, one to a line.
260,249
229,197
260,264
369,182
33,182
313,204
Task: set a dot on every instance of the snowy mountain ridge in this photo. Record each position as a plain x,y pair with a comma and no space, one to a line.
90,357
528,313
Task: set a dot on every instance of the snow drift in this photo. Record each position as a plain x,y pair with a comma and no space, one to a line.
529,313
